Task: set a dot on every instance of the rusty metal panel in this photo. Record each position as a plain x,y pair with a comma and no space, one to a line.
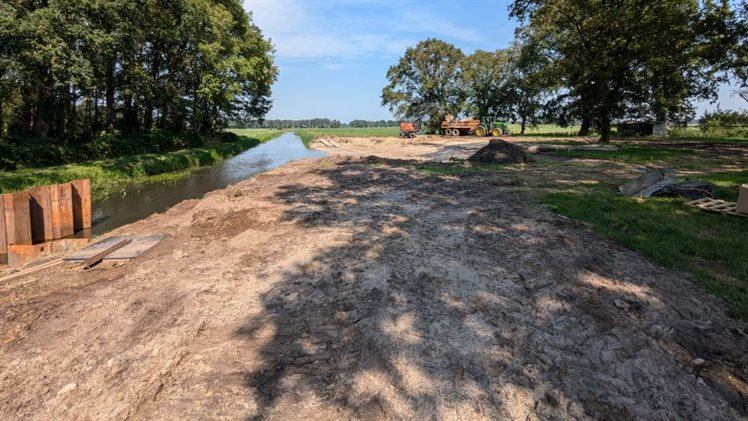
18,218
3,230
81,204
41,214
62,210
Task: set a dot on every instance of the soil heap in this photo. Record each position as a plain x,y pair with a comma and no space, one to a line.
500,152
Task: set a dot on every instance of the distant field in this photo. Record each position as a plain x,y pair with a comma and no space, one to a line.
541,130
356,132
253,132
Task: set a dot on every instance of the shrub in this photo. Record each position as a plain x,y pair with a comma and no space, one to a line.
725,123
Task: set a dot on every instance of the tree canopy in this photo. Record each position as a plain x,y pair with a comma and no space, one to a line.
80,67
630,56
425,83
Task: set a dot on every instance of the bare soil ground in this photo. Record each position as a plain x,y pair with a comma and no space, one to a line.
354,288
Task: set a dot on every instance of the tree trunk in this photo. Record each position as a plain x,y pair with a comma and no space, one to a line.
110,110
2,117
524,124
605,127
95,126
586,125
40,124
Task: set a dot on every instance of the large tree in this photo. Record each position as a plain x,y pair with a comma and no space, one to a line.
612,54
425,83
78,67
485,76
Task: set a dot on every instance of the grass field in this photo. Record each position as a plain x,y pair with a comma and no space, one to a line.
106,175
692,134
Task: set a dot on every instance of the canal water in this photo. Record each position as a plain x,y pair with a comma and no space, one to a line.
138,201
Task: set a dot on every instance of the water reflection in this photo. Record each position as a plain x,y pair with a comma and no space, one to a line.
138,201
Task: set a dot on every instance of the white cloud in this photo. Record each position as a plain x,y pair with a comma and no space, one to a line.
310,30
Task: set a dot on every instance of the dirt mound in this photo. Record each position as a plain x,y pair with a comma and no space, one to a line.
500,152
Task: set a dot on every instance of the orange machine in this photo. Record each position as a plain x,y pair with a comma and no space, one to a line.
408,130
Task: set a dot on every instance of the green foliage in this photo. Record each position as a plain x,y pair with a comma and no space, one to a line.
71,69
615,59
20,152
106,174
484,77
425,84
725,123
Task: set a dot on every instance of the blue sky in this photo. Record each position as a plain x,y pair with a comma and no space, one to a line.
333,55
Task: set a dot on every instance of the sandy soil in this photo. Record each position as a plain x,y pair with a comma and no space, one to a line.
347,288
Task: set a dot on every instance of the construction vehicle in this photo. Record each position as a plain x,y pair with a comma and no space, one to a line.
408,130
484,126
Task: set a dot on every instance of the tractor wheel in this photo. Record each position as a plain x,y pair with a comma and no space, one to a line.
496,132
480,131
450,132
455,132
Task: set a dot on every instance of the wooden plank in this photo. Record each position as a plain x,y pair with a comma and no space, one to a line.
139,246
716,205
3,235
62,210
81,204
100,256
41,214
17,218
31,270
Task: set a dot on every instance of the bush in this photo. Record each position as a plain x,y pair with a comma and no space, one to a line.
725,123
17,152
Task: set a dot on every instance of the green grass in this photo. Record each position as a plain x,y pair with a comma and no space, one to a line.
108,174
544,130
306,137
710,246
694,134
355,132
631,154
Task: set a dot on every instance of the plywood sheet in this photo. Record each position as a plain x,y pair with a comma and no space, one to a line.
139,246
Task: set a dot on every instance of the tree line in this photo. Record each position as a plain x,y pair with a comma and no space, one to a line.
79,68
313,123
588,62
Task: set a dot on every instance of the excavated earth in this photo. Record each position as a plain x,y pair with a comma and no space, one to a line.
350,288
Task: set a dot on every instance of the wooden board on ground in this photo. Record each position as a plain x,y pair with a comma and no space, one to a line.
138,247
715,205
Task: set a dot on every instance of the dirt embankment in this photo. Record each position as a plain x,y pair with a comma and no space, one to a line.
344,288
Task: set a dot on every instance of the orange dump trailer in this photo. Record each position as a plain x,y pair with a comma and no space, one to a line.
408,130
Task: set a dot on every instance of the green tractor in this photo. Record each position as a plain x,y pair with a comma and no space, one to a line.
491,126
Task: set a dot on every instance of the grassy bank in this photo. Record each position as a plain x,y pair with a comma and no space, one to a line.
711,247
107,174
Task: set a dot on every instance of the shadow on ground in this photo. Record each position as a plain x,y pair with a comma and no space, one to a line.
449,297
